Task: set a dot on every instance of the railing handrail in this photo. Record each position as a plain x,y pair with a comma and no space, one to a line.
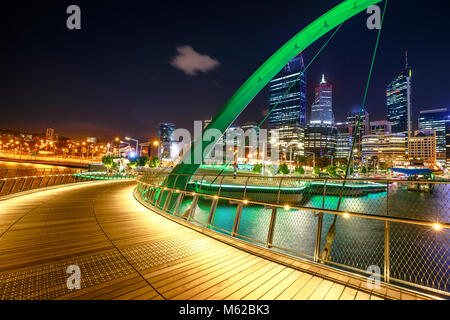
381,180
152,189
313,210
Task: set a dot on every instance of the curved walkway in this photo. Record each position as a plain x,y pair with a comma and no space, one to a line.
126,251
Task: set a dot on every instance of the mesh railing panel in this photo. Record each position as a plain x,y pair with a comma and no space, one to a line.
420,255
295,230
358,243
254,223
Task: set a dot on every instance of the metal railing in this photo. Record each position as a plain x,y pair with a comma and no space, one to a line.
13,181
400,227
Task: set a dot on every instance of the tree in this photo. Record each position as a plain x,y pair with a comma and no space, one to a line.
154,162
108,161
341,162
299,170
316,171
323,162
257,168
301,160
143,161
283,169
331,170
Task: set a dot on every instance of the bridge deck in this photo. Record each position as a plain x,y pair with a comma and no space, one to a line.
125,251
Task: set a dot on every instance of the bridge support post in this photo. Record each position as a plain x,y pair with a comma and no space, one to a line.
212,212
386,252
3,184
12,187
177,206
237,219
318,237
273,219
168,198
159,196
193,207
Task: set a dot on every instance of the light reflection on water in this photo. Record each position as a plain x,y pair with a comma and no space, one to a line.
16,165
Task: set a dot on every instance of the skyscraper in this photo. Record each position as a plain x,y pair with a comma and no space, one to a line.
398,102
437,120
364,127
165,137
322,108
343,140
290,108
165,132
321,139
380,127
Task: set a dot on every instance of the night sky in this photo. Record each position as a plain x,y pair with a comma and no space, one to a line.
117,75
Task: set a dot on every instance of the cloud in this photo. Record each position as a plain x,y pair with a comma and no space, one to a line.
191,62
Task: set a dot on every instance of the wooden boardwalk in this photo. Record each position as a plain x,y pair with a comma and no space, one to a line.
126,251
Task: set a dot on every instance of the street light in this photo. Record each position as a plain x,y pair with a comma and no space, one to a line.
137,144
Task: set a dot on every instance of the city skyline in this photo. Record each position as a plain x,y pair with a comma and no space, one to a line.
132,83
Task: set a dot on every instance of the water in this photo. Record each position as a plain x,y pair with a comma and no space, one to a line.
19,165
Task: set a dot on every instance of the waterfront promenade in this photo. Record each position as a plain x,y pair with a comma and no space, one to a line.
126,251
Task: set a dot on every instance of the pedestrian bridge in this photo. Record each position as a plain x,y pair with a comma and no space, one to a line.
127,251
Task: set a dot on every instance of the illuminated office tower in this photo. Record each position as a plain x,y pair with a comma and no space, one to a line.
364,128
437,120
387,148
322,108
288,108
343,140
398,102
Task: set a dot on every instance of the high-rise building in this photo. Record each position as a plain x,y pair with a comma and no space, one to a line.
388,148
447,129
380,127
398,102
364,127
422,147
165,137
320,139
291,141
322,108
288,108
50,134
343,140
437,120
165,132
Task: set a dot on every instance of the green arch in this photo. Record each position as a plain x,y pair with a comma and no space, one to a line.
245,94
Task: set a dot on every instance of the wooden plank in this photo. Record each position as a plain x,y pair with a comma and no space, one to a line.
308,289
362,296
295,287
181,286
241,293
335,292
348,294
188,294
224,293
321,291
240,276
261,290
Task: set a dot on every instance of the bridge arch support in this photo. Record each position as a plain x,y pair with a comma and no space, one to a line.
258,80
